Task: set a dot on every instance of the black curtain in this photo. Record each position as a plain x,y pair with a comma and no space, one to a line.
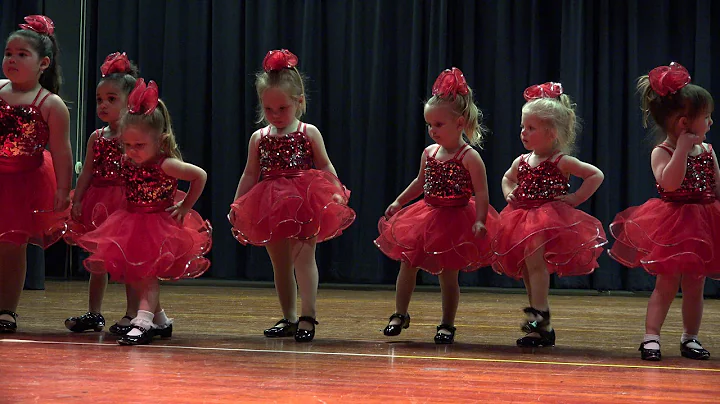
372,63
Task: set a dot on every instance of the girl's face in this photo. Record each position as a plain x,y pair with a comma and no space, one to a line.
140,144
700,125
537,134
279,107
21,63
444,126
111,101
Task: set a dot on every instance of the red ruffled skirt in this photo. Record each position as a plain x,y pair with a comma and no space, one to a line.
669,238
98,203
27,197
299,205
572,240
436,239
134,245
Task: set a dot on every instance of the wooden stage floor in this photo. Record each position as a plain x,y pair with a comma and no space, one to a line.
218,353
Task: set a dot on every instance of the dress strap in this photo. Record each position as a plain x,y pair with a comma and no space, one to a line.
666,147
703,148
37,96
435,152
301,125
43,99
557,160
462,152
3,86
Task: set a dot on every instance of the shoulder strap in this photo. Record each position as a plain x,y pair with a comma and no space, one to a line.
42,101
301,125
435,152
666,148
464,151
557,160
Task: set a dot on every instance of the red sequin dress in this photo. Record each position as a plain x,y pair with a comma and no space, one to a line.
27,177
106,192
678,233
143,241
292,200
435,233
572,239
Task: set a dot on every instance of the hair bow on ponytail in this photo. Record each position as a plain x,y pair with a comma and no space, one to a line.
143,99
666,80
450,83
279,59
545,90
40,24
115,63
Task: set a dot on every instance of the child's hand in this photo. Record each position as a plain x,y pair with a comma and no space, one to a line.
511,199
179,210
76,211
339,199
62,200
686,142
570,199
479,229
392,209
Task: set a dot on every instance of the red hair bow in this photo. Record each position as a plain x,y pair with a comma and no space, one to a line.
115,63
545,90
450,82
143,99
279,59
39,24
668,79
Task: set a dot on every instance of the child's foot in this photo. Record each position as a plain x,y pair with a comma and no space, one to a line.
121,327
692,349
163,330
396,324
650,350
305,329
8,321
283,328
88,321
539,333
445,334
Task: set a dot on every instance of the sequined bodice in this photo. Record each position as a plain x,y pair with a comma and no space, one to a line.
23,131
699,182
541,183
290,152
107,158
447,180
147,184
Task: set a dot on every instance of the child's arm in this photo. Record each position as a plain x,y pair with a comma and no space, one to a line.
321,159
669,170
717,175
412,191
186,172
509,181
58,119
83,181
474,163
252,167
592,179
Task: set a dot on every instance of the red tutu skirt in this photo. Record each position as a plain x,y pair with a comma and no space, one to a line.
27,197
301,205
132,246
436,239
669,238
98,203
572,239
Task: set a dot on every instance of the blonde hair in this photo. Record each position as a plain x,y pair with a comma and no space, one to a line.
463,105
290,81
159,123
560,114
691,100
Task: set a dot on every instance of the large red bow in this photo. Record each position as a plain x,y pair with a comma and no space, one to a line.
143,99
115,63
450,82
279,59
668,79
39,24
545,90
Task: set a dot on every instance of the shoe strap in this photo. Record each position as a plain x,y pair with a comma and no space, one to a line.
692,340
10,313
308,319
642,344
402,317
447,327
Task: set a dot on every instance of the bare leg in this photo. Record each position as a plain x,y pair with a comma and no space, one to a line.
404,288
96,292
13,266
450,297
285,286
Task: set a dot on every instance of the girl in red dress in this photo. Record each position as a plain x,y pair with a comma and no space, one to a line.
449,230
541,232
677,236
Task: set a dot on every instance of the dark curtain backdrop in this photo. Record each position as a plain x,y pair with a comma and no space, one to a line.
371,64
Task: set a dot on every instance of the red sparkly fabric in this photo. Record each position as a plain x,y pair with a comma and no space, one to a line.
143,241
435,234
571,240
292,200
27,177
678,233
106,192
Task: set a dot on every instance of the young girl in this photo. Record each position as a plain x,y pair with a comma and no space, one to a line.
159,236
676,237
293,206
100,190
34,186
447,231
541,232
